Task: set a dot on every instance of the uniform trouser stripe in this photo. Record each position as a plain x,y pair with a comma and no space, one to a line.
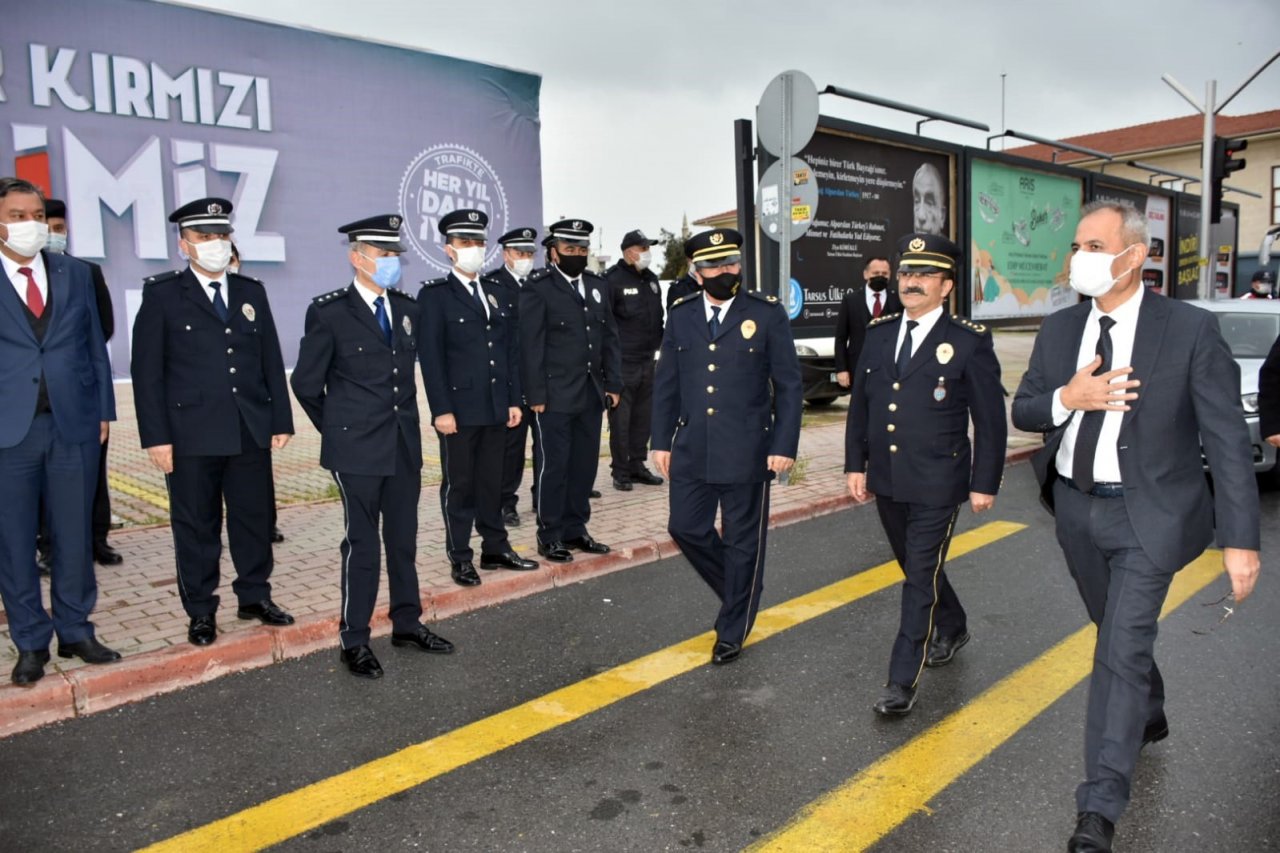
937,570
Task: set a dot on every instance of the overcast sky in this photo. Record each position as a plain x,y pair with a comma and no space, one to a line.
638,99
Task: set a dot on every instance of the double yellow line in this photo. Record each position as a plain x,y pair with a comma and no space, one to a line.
292,814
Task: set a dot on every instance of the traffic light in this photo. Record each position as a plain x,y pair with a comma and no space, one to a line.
1224,152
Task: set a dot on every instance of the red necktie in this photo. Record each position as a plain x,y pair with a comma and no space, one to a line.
35,303
877,308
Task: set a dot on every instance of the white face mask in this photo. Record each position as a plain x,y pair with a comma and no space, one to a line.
57,243
644,259
1091,273
470,259
27,238
213,256
522,267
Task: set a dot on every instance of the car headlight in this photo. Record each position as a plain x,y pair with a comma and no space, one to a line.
1250,403
806,351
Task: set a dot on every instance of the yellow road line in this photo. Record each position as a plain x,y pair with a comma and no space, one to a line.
128,485
292,814
878,799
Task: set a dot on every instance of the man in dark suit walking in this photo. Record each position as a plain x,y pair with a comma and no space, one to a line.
726,421
55,211
1127,388
922,376
571,371
1269,396
471,370
212,403
55,411
354,379
873,298
518,248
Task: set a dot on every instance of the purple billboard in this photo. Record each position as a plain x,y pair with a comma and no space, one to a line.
116,107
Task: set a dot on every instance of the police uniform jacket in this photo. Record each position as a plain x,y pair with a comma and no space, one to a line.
636,300
502,277
469,360
569,349
682,287
711,398
195,376
358,391
910,433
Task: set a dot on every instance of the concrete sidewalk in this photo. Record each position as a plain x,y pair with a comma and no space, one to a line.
140,615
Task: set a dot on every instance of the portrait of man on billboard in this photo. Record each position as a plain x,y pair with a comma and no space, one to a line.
929,200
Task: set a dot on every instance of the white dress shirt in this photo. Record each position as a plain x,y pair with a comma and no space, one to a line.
723,306
471,293
19,280
919,333
1106,461
368,296
575,283
871,300
205,281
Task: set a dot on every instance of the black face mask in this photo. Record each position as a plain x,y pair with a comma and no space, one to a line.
722,286
878,282
572,265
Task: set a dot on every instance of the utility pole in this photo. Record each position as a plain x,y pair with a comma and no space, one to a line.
1210,111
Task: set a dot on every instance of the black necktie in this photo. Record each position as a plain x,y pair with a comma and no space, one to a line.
904,353
713,325
1091,423
218,304
475,291
384,322
576,286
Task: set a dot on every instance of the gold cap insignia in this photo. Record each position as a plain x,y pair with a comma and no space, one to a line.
748,328
717,239
916,245
945,352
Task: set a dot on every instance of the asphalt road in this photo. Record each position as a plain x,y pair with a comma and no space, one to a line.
712,758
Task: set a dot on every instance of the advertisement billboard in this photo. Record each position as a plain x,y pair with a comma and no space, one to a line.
871,192
1155,272
118,108
1022,222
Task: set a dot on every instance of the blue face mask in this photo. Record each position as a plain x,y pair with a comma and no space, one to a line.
387,272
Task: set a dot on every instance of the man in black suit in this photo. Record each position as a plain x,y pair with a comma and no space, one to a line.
354,379
55,212
56,406
922,376
1269,396
1127,388
212,403
571,370
518,249
471,370
873,298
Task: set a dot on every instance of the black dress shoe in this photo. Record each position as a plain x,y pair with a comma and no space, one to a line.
30,668
622,485
276,536
464,574
723,652
595,493
1156,730
510,518
507,560
105,555
556,552
587,544
361,662
423,639
943,649
896,700
89,651
266,612
203,630
1093,834
647,478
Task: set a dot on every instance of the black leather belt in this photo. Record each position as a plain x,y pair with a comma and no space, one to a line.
1099,490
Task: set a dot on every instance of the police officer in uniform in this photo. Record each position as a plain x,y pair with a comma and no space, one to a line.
212,403
682,287
636,300
921,376
354,379
718,434
571,370
470,367
518,249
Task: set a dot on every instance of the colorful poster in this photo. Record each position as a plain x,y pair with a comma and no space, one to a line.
1188,283
128,109
871,193
1022,225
